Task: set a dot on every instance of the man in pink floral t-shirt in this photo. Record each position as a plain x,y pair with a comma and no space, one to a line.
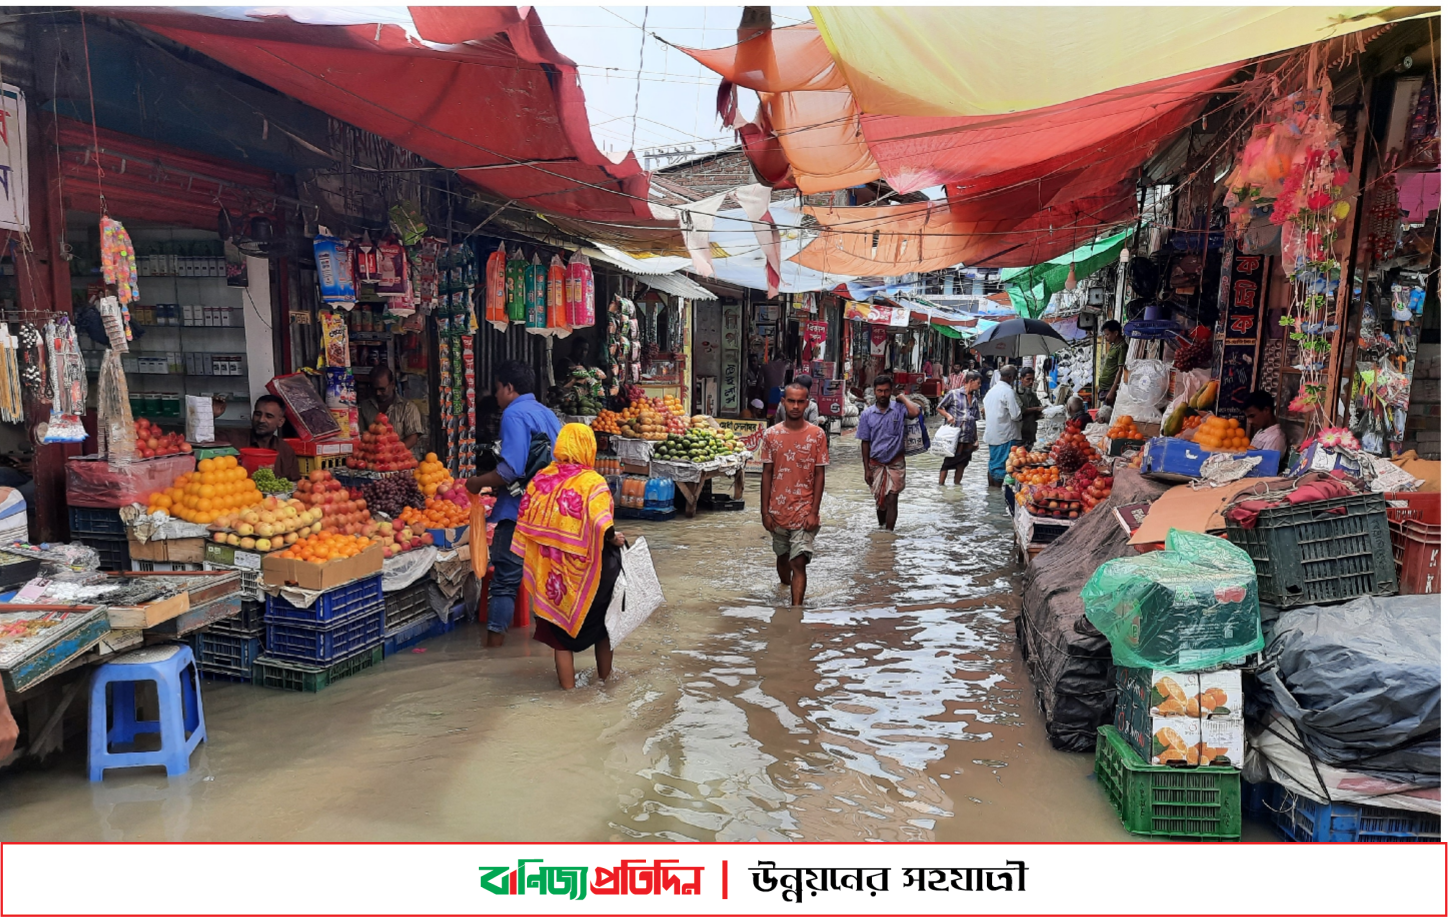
794,454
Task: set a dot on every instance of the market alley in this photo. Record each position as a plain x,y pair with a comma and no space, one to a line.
894,706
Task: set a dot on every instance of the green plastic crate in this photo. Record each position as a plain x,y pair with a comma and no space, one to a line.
1321,551
296,677
1202,802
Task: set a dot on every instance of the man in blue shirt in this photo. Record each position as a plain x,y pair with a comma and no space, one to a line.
513,385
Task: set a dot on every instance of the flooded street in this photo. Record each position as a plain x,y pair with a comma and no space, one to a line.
894,706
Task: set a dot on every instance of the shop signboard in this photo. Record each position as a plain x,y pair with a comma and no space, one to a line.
14,168
752,435
731,383
1240,296
816,331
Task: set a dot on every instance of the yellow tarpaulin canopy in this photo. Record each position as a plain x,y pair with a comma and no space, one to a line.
988,60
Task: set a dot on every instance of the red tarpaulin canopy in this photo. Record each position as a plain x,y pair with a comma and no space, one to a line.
485,88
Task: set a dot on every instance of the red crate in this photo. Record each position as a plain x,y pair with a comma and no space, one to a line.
1416,533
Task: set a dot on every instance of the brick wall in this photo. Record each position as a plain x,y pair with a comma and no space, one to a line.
1425,404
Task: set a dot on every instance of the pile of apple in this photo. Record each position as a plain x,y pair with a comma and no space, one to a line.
152,441
342,513
381,449
1062,503
1093,485
397,537
273,524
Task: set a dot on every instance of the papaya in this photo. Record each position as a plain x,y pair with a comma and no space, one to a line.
1207,397
1173,424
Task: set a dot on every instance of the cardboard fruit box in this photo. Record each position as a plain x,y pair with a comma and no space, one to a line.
1185,719
190,551
279,572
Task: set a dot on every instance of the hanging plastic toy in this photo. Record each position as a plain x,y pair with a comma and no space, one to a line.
118,260
536,286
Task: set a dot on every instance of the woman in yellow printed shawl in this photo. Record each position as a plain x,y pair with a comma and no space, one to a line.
570,553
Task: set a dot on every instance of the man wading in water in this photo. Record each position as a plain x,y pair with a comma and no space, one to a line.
881,433
795,455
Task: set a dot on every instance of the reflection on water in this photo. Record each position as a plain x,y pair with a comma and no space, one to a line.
892,706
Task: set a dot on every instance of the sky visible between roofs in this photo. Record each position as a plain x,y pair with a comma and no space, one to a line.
675,96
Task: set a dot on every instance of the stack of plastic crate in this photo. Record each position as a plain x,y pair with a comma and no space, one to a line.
308,647
102,530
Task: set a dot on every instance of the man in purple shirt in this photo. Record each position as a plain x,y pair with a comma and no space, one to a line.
881,434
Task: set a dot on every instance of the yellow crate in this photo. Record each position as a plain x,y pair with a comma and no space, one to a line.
309,464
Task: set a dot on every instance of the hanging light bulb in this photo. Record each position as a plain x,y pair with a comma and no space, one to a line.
1071,277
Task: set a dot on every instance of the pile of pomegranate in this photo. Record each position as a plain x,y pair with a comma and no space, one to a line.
381,449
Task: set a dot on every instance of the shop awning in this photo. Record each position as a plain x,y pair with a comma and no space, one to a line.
479,89
943,61
946,330
1031,288
658,273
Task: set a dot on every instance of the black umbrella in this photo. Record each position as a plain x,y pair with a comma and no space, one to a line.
1019,338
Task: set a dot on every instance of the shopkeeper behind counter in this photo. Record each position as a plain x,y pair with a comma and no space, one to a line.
267,420
401,412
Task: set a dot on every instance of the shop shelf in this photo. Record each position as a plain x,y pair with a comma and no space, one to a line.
115,554
96,523
1298,818
285,674
1203,802
313,644
1322,551
224,651
336,604
406,605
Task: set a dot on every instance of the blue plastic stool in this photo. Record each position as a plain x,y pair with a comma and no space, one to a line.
178,691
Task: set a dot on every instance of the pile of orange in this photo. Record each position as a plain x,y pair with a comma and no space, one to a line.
326,546
1124,428
438,514
217,487
607,421
431,475
1222,434
1189,427
1037,476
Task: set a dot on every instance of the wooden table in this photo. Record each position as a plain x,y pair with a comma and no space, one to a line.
692,489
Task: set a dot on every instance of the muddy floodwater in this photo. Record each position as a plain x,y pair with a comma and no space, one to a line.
893,706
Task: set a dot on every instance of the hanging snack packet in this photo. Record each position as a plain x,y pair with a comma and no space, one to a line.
335,274
579,292
536,283
558,298
391,269
517,288
334,340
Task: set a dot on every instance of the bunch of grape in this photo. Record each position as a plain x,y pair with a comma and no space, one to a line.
391,494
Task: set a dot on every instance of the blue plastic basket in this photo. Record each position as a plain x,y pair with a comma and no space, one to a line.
311,644
335,604
96,523
1298,818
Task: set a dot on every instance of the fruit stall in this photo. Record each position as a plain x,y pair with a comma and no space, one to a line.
657,459
1047,491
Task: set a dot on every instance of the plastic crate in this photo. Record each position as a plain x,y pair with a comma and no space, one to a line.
1298,818
251,622
1202,802
336,604
338,639
115,554
1322,551
269,672
101,524
250,580
416,632
1417,536
406,605
224,651
309,464
221,675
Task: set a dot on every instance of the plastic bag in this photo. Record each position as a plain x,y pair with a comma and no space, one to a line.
478,536
946,440
1192,606
1146,387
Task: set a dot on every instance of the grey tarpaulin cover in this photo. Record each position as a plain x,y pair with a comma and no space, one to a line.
1363,683
1068,660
